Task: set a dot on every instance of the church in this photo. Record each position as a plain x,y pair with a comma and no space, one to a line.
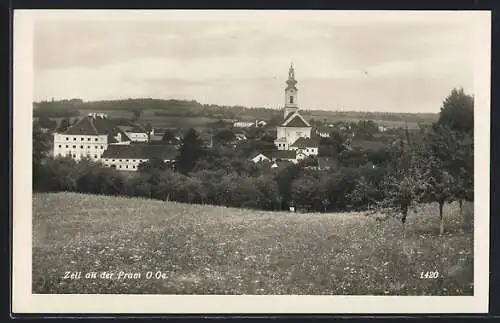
293,135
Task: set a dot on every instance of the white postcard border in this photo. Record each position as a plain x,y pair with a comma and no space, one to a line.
26,302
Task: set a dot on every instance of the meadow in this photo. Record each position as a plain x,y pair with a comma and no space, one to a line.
202,249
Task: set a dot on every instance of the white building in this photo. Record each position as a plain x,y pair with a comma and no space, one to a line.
294,128
259,157
86,138
243,124
129,157
135,132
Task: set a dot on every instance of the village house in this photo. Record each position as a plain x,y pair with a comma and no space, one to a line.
91,136
88,137
259,157
323,132
135,132
129,157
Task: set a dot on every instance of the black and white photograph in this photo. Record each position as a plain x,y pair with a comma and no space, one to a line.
340,155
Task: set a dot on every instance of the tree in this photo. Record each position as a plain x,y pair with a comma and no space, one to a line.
403,186
47,123
438,187
457,111
268,196
448,166
168,136
63,125
366,129
305,192
148,129
136,114
41,147
224,136
189,152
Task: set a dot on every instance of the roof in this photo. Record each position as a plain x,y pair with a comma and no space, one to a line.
141,151
295,120
90,126
114,132
324,129
256,154
284,154
304,142
288,115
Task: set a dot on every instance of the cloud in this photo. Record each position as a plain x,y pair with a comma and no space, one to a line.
243,62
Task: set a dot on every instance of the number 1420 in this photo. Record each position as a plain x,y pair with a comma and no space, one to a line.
429,275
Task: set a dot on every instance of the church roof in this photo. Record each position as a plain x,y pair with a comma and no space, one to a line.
294,119
288,115
303,142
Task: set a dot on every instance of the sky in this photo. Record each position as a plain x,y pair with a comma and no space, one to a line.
368,63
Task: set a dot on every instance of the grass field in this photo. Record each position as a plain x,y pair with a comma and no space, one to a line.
215,250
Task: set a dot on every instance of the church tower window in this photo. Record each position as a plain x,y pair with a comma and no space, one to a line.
291,99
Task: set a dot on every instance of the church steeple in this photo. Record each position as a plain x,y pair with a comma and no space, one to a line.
291,82
291,93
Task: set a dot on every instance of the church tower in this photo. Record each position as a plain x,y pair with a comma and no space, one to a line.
291,93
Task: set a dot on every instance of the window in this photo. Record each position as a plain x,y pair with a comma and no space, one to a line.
88,147
74,138
74,146
126,166
95,156
81,139
96,147
113,160
59,146
74,156
291,99
66,146
133,166
67,138
88,139
96,139
120,166
81,147
101,147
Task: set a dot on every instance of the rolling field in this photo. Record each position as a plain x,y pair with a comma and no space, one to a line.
200,249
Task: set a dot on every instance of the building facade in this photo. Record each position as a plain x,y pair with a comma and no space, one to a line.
86,138
129,157
294,129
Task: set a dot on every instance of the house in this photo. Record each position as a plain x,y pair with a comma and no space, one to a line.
285,155
382,128
243,124
117,136
135,132
129,157
259,157
307,146
88,137
323,132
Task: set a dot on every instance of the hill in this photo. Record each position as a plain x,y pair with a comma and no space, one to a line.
184,114
201,249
